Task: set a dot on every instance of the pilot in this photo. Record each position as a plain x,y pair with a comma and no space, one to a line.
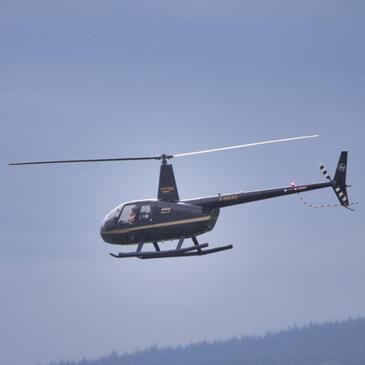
132,215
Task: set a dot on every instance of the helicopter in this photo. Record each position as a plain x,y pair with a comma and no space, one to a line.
168,218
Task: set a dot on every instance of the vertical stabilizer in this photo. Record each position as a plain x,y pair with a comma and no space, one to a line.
167,190
340,175
339,181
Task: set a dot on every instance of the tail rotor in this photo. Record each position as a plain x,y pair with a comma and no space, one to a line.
338,184
339,181
325,172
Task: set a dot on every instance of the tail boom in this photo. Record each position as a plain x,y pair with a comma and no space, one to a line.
338,183
221,201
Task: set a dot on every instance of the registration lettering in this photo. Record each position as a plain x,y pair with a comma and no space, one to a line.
229,197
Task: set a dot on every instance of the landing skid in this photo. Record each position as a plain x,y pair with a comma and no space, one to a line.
196,250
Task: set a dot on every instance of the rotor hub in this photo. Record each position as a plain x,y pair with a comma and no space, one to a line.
164,157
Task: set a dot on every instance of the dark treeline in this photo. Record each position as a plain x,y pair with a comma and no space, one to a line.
334,343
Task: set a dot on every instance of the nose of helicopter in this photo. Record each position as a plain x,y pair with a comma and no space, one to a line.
109,222
105,233
102,231
105,228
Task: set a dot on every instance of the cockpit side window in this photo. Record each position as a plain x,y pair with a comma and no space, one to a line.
129,214
145,212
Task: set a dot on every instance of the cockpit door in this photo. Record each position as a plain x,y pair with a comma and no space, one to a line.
129,215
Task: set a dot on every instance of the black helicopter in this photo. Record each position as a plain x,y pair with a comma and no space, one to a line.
169,218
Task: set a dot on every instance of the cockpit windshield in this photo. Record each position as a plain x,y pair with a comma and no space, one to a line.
113,214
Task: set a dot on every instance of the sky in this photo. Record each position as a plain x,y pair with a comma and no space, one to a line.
87,79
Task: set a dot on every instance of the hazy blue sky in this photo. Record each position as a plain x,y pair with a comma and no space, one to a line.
82,79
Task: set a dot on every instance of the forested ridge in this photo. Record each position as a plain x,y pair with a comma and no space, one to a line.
333,343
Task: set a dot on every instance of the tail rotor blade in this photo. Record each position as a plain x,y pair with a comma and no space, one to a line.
325,172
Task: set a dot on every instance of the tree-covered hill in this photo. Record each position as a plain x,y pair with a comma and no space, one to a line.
335,343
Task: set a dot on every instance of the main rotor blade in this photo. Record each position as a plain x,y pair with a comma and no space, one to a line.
244,145
89,160
162,156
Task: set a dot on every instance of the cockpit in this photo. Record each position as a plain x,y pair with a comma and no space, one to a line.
127,215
